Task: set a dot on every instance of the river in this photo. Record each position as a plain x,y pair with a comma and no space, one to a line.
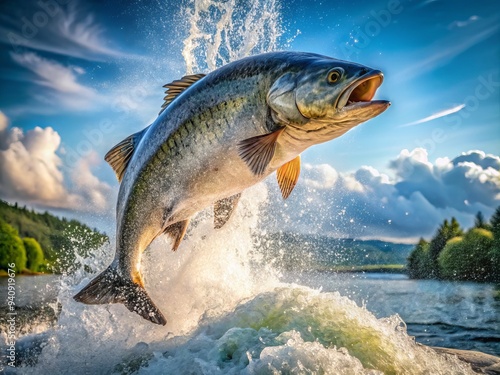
460,315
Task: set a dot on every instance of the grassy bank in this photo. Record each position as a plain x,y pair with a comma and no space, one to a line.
377,268
24,272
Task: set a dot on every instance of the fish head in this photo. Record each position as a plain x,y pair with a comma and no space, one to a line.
327,92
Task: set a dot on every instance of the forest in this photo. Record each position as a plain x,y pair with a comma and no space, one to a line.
43,243
455,254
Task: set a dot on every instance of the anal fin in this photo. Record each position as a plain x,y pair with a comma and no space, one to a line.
176,232
223,209
288,175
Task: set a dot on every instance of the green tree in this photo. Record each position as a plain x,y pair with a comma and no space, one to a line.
445,232
479,222
455,230
453,259
495,247
60,239
468,257
11,248
419,261
34,254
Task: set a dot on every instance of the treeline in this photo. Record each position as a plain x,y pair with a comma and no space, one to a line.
41,242
454,254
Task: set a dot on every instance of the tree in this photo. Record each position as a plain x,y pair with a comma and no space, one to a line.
495,247
419,261
455,230
453,259
34,254
446,232
479,222
11,248
468,257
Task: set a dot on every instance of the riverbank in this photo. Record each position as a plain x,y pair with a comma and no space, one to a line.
24,272
373,268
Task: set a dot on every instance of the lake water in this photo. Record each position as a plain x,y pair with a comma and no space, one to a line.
231,311
456,315
461,315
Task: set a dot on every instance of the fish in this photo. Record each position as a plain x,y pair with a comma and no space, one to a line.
216,135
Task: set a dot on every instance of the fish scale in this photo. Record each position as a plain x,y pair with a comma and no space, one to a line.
217,135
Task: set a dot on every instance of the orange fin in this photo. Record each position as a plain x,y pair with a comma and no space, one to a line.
223,209
288,175
176,232
175,88
258,151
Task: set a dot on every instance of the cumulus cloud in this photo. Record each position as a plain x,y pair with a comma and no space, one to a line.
410,202
31,172
87,187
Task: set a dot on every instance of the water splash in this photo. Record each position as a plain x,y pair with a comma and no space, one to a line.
225,31
227,313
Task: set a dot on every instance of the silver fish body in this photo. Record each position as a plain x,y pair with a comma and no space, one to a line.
218,135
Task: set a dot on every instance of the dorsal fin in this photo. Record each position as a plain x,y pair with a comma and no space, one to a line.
176,87
119,156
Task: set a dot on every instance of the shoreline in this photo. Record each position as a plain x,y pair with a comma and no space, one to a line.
25,272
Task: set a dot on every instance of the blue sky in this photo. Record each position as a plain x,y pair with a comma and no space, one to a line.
77,77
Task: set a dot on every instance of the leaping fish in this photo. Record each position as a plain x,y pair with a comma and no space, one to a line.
217,135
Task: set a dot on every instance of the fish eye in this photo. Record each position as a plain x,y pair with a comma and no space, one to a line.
333,76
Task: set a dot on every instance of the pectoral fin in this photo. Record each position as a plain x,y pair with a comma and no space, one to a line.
288,175
223,210
258,151
176,232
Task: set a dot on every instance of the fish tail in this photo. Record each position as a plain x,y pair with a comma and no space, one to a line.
111,287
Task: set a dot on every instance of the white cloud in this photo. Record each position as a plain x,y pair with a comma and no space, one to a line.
436,115
69,31
467,22
89,189
58,85
410,203
4,122
32,173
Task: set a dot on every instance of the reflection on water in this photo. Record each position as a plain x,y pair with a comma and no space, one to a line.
463,315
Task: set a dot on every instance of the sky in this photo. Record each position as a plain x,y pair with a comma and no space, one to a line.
79,76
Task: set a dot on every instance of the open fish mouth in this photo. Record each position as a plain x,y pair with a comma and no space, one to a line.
361,91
